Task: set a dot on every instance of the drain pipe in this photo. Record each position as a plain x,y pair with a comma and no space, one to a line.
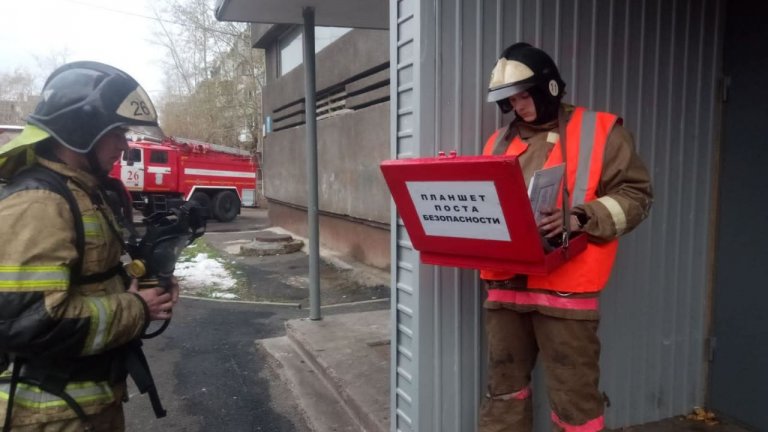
310,114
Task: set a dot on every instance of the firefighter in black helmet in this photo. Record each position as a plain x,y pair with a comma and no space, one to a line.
555,317
75,319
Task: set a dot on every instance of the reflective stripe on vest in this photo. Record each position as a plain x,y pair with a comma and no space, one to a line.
594,425
587,133
530,298
83,393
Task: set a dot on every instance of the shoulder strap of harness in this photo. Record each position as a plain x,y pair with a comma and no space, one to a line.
40,177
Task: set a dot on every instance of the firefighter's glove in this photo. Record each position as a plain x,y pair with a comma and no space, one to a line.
159,302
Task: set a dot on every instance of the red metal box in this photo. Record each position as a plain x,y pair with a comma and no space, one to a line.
472,212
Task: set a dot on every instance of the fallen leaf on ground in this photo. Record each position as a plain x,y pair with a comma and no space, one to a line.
703,415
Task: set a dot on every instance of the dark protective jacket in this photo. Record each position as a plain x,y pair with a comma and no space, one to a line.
74,329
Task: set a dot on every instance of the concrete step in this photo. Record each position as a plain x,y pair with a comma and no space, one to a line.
348,354
323,411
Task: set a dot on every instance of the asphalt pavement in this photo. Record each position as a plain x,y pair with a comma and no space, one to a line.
211,366
211,376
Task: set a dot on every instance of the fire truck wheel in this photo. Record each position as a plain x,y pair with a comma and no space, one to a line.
226,206
202,198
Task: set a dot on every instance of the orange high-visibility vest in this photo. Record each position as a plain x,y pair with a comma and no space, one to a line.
587,133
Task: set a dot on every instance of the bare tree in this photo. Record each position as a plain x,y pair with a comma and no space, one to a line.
50,62
17,85
213,76
20,89
18,96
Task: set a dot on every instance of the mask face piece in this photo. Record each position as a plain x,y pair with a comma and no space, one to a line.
167,234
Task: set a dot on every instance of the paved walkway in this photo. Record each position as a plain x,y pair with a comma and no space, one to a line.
349,355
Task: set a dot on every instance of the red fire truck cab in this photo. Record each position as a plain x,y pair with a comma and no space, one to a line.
162,174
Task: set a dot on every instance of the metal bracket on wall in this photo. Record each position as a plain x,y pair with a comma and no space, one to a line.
725,82
711,343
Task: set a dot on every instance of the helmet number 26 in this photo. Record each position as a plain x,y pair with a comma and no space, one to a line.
140,108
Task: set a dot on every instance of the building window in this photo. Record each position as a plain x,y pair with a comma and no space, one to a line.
291,45
290,51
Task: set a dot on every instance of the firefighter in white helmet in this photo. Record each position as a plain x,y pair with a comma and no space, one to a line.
70,318
555,317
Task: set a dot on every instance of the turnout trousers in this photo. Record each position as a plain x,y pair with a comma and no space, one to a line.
110,419
569,350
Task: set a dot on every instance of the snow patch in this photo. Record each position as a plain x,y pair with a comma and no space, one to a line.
224,295
203,273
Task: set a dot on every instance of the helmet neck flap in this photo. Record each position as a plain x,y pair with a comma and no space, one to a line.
546,104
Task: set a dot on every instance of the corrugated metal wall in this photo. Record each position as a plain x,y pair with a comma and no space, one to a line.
653,62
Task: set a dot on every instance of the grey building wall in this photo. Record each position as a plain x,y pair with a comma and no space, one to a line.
654,62
350,145
353,53
352,139
350,148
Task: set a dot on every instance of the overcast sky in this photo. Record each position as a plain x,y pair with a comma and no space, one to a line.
109,31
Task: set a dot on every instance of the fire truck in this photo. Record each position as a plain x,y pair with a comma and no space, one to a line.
163,173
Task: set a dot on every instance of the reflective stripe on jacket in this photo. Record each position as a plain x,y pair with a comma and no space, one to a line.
29,396
587,134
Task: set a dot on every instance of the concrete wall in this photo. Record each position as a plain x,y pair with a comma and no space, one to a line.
354,201
363,242
350,148
353,53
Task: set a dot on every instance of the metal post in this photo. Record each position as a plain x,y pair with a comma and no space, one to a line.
310,115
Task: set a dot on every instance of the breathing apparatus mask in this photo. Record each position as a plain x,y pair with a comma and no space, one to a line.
167,234
155,254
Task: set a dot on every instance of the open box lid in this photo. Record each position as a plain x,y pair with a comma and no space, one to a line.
471,212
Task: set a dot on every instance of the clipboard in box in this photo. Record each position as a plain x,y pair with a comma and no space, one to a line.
472,212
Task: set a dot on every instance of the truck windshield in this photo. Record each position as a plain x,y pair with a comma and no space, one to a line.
132,155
